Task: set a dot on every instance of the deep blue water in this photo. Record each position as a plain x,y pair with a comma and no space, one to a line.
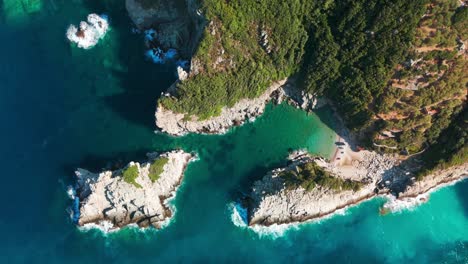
62,108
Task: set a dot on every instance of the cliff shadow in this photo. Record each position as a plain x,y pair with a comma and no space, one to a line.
462,192
330,117
98,163
142,81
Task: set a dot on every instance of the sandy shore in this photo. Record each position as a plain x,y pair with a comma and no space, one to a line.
271,203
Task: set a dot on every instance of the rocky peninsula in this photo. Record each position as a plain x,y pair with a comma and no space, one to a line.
178,124
137,194
272,201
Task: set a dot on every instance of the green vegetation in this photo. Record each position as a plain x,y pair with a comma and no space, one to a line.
354,47
308,175
460,21
450,149
336,47
427,94
391,67
248,45
439,16
130,174
156,168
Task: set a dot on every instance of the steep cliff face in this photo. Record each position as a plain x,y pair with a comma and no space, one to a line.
177,22
110,200
273,202
247,109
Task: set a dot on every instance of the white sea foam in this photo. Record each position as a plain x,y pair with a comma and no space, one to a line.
405,204
107,227
90,32
71,192
104,226
410,203
238,214
239,219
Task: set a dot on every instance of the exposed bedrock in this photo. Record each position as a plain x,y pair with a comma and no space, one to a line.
179,23
272,202
178,124
109,198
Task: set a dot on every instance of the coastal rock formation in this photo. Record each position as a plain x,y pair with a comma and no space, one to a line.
90,32
178,23
246,109
271,202
109,201
435,180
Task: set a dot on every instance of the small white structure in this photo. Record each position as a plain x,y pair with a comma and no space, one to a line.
90,32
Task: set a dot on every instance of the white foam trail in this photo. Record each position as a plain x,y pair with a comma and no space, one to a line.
104,226
71,192
395,205
90,32
239,219
238,214
107,227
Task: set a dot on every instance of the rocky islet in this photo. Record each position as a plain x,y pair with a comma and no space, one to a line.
270,202
106,200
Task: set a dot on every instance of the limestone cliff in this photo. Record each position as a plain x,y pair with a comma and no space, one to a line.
271,202
178,124
107,197
178,22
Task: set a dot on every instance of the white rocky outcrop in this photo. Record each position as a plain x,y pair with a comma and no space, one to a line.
272,203
246,109
107,201
89,32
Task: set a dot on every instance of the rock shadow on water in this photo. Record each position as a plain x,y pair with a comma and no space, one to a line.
143,82
461,190
98,163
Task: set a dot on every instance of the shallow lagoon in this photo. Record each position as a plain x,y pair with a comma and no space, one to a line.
63,107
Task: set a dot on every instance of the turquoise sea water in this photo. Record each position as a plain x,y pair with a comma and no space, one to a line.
62,108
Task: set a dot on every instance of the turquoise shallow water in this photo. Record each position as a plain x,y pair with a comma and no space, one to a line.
62,108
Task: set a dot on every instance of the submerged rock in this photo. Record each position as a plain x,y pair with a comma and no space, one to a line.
109,201
89,33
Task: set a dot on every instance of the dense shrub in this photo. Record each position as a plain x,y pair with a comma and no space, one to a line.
130,174
156,168
309,175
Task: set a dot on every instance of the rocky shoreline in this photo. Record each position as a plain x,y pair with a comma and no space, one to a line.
179,23
245,110
270,202
105,200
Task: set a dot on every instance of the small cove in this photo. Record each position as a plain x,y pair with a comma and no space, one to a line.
63,107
